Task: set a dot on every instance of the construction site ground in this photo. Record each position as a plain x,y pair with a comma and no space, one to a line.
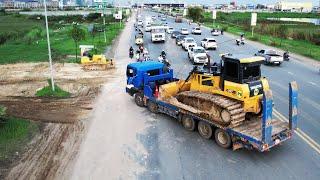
64,120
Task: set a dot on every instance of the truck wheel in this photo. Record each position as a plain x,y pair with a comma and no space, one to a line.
204,130
222,138
153,107
188,123
138,98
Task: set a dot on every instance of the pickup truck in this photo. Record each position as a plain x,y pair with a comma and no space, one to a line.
144,79
271,56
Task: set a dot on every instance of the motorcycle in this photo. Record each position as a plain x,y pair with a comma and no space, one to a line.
239,42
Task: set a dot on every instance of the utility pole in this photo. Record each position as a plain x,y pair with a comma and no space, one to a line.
104,21
49,48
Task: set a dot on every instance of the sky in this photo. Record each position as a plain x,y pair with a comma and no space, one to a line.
315,2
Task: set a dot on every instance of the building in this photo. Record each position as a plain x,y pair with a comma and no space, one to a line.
29,4
293,6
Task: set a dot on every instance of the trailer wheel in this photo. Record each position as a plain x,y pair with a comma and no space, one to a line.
152,106
204,130
188,123
222,138
138,98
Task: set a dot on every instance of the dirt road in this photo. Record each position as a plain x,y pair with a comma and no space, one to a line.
111,148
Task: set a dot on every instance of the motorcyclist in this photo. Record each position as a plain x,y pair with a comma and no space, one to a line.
286,55
242,38
131,52
160,58
163,54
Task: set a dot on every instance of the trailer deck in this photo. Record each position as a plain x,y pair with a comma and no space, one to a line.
253,128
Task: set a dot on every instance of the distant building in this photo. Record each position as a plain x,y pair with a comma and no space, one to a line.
294,6
32,4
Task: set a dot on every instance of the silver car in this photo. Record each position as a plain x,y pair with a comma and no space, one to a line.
271,56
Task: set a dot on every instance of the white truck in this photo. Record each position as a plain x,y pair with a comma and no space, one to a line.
158,34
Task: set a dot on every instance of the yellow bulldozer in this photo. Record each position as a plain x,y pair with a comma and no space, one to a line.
227,93
95,61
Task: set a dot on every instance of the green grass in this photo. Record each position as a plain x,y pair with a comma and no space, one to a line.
9,23
14,135
20,50
48,92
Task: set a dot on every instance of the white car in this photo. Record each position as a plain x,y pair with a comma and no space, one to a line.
197,55
170,30
188,42
215,32
196,30
148,28
184,31
209,43
271,56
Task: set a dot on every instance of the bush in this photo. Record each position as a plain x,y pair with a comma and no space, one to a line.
33,35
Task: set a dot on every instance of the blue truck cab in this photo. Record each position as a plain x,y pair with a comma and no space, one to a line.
143,78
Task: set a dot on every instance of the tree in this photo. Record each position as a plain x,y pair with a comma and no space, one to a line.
195,13
77,34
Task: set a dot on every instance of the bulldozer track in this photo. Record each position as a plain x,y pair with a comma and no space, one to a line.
211,106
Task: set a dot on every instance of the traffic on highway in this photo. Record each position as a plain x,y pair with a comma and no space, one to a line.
191,45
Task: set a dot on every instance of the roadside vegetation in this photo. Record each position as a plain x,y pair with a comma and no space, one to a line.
14,135
23,38
296,37
57,93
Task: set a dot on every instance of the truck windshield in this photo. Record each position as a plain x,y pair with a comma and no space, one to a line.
251,73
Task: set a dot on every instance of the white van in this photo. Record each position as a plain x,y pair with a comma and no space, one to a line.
158,34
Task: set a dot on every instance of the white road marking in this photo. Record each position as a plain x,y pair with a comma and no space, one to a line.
290,73
300,133
310,82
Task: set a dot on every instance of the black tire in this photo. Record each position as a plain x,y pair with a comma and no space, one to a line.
153,107
138,98
222,138
205,130
188,123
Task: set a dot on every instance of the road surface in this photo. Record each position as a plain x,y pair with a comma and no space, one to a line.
128,142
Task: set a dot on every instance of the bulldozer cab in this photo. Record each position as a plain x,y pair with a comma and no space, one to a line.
241,69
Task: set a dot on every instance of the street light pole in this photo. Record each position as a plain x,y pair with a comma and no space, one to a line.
104,22
49,48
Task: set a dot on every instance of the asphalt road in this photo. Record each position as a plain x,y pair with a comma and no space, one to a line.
193,157
125,141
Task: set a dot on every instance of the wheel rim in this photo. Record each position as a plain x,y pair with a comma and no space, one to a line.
222,138
204,129
225,116
139,99
188,123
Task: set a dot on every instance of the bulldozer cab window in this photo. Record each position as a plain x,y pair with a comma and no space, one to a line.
231,71
251,73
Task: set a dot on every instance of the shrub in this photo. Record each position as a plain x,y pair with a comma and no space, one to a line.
33,35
